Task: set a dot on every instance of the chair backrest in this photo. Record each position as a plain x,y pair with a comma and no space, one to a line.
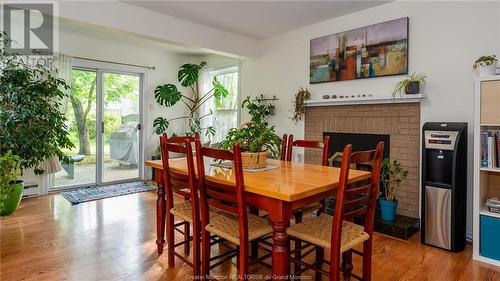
360,199
323,145
283,147
355,201
175,182
227,197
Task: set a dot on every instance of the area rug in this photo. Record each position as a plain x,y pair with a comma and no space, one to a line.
101,192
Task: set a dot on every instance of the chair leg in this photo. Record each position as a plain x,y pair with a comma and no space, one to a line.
238,257
205,254
320,256
170,241
347,265
187,233
254,248
196,252
367,260
298,254
243,264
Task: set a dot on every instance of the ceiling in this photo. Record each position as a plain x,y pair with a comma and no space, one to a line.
256,19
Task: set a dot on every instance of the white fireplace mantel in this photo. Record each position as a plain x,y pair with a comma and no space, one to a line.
366,100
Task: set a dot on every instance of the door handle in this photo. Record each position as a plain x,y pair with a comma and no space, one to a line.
102,127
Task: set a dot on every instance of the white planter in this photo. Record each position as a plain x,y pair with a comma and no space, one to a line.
488,70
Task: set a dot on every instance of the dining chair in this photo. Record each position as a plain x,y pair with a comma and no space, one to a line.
283,147
188,209
234,223
320,206
338,232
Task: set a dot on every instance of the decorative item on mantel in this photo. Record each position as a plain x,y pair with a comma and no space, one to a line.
486,65
410,85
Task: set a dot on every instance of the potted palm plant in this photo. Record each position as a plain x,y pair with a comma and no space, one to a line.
486,65
410,85
392,175
11,189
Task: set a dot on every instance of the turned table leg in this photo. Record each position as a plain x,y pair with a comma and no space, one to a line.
280,219
160,212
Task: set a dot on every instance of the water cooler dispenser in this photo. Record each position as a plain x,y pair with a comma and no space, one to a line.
444,185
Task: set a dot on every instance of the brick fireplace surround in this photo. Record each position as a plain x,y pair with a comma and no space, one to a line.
399,120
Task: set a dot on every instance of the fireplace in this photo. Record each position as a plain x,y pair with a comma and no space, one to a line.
363,126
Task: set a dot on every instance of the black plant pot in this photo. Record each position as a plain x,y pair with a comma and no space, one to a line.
413,88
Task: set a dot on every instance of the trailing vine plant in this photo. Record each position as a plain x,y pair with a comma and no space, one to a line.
299,104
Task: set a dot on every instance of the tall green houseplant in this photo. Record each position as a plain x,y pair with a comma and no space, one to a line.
168,95
31,123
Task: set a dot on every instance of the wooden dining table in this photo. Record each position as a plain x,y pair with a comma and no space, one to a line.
279,191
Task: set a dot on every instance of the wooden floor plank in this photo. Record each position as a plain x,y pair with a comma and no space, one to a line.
114,239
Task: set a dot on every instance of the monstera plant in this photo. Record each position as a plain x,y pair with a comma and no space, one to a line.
168,95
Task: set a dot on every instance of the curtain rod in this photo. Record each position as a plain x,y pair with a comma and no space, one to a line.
127,64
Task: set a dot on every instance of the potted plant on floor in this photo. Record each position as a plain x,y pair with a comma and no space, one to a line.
392,175
486,65
410,85
11,189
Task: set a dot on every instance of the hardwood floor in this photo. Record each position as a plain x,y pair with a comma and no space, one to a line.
114,239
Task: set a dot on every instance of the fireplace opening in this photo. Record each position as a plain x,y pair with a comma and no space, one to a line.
359,142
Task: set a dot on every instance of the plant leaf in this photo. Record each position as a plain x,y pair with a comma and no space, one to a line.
167,95
161,125
220,92
188,73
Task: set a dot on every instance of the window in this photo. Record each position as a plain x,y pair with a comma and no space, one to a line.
225,115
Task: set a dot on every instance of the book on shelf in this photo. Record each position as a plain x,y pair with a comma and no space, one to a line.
490,149
494,210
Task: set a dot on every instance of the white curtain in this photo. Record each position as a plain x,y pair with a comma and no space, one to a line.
63,64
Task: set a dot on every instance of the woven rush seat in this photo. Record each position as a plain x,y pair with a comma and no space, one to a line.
183,211
318,231
226,225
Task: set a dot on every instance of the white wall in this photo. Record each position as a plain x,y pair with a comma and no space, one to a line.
444,40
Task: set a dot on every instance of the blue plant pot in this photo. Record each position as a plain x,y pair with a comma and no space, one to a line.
388,209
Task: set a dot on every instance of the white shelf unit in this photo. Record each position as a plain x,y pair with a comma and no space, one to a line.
486,179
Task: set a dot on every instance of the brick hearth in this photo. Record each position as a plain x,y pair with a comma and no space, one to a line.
400,121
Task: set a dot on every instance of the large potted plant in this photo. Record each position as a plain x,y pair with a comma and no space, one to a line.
11,189
392,175
169,95
410,85
31,123
486,65
256,138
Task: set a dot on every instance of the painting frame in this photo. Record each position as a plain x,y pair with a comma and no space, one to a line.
360,71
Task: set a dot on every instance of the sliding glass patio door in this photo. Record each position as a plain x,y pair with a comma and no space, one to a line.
120,127
104,122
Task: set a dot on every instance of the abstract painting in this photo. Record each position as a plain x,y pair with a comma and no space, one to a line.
372,51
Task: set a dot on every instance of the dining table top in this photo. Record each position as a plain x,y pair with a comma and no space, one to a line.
285,180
